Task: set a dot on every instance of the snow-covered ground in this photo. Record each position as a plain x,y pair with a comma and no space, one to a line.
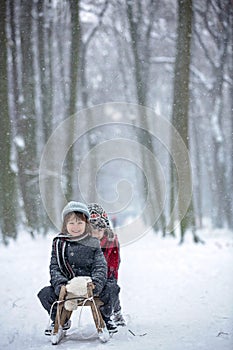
174,297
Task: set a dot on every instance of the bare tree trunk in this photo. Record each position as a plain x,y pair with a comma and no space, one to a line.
74,64
45,43
198,186
180,115
24,112
8,201
221,189
141,72
230,177
91,189
217,19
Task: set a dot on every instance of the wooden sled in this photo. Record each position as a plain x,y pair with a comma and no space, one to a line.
64,315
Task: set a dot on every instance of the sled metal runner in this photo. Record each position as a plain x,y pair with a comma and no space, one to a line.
63,315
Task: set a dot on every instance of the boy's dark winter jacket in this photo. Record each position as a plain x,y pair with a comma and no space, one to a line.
77,257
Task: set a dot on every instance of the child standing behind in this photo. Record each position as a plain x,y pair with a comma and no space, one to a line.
110,246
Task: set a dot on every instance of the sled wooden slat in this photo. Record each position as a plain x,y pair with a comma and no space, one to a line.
64,315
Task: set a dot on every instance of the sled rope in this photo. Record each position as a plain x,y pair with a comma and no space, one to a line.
79,319
51,309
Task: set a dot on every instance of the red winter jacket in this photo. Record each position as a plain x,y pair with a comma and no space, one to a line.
111,250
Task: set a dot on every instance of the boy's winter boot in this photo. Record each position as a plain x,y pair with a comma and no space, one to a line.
119,319
49,329
111,326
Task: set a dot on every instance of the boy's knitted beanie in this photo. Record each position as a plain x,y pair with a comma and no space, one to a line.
75,207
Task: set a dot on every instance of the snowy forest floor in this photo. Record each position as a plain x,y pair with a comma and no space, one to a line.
173,297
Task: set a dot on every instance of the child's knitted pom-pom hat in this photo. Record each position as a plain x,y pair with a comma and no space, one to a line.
97,211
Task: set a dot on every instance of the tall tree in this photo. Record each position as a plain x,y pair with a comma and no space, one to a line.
140,35
180,113
23,112
221,190
216,17
72,108
8,198
84,44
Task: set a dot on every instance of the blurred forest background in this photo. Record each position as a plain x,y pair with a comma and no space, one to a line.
59,57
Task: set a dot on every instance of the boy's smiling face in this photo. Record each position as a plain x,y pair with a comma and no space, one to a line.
75,226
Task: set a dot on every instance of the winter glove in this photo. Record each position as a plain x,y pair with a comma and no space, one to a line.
77,287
